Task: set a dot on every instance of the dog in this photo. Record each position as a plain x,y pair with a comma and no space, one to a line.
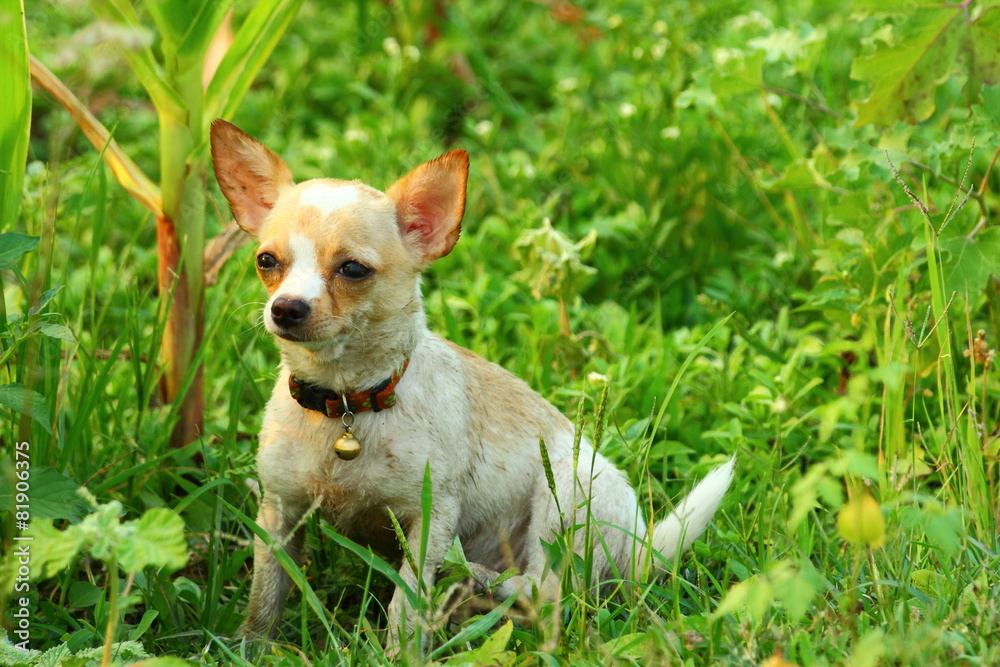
368,398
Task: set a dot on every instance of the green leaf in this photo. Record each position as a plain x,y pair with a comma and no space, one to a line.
44,300
632,646
60,331
168,661
969,263
15,112
742,73
492,652
144,623
84,594
14,246
476,626
251,47
990,106
984,53
158,541
937,42
904,76
53,496
187,26
52,550
26,401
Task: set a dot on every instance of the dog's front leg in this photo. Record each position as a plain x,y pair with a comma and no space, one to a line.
271,583
403,618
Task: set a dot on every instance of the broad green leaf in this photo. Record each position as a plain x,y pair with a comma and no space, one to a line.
935,43
60,331
904,76
805,494
15,111
144,624
493,651
13,247
632,646
984,52
53,496
26,401
989,108
157,541
799,174
84,594
969,263
52,550
251,47
796,584
476,626
738,73
747,598
869,650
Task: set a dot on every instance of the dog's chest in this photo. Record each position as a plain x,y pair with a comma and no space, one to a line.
298,465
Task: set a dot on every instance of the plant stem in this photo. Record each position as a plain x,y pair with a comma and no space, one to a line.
109,635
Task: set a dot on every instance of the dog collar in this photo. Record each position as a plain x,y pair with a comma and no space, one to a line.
333,405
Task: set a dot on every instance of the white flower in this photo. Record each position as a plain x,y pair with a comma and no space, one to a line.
660,27
723,55
626,109
391,46
411,52
484,127
597,379
567,84
672,132
359,136
637,53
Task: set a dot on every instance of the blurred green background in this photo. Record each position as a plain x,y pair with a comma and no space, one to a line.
640,173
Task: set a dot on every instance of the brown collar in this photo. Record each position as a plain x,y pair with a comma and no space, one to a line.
332,404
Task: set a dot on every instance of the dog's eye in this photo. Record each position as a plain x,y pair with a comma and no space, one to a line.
353,271
265,261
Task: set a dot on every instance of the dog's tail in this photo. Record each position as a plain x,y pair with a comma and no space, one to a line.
689,520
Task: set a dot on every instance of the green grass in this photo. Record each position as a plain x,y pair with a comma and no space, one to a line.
839,374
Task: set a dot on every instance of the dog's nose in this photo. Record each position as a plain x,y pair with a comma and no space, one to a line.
289,312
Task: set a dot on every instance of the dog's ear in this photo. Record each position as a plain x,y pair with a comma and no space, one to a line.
430,203
250,175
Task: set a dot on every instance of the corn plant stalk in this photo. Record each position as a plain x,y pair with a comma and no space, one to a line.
185,107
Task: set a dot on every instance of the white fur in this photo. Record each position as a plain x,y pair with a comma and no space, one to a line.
328,198
304,280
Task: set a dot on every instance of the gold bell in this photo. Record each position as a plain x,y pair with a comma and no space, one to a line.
347,446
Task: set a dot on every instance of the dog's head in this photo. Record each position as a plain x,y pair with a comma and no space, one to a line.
338,256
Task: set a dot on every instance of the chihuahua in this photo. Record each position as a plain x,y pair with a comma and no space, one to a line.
368,398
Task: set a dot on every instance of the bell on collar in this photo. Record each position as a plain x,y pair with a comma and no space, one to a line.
347,446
